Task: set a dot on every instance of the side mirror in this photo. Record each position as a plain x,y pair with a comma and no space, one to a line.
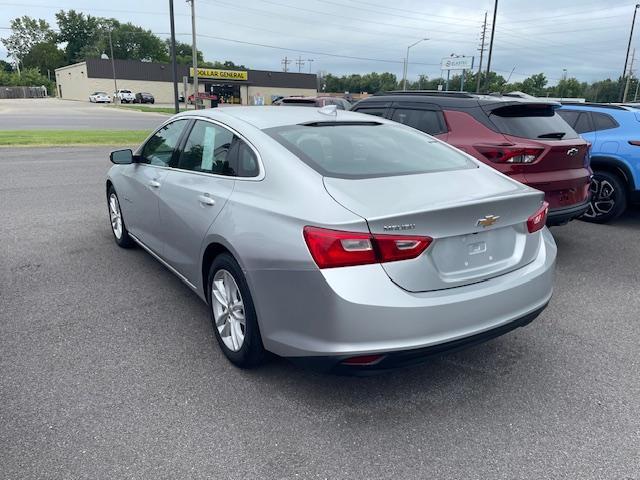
121,157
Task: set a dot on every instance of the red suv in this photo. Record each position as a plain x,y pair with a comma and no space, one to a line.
523,138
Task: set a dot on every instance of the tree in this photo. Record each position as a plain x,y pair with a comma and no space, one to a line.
79,32
535,85
25,33
183,53
5,67
44,56
131,42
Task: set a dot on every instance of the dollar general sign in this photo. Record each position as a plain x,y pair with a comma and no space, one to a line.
221,74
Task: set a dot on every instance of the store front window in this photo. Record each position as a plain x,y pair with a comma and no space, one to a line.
225,92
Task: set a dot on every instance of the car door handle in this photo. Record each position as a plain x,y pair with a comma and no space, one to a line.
206,200
154,184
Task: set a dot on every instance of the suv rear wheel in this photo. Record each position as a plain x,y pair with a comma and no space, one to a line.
608,198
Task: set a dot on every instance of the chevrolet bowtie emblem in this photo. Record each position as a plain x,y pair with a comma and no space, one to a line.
487,221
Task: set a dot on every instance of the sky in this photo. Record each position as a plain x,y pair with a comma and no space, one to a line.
588,38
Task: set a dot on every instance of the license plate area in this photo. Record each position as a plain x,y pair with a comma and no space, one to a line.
475,254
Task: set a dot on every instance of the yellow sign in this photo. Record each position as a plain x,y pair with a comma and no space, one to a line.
221,74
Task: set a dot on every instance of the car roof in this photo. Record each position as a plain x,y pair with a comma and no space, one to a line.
603,107
454,99
263,117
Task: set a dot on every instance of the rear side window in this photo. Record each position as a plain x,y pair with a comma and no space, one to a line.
532,121
427,121
367,150
603,121
579,121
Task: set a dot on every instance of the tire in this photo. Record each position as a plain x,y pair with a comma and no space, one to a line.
608,198
119,230
226,279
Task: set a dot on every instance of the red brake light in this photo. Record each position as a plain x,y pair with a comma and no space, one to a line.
635,143
334,248
538,220
500,154
392,248
363,360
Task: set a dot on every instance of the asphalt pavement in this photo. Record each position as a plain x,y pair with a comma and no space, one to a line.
109,367
57,114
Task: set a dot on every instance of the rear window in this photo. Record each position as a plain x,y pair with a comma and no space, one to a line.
367,150
532,121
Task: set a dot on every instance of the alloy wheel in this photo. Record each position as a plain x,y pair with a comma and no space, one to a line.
602,198
228,310
115,215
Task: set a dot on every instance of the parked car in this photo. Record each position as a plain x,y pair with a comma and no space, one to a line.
333,238
614,133
99,97
203,96
522,138
125,96
341,103
144,97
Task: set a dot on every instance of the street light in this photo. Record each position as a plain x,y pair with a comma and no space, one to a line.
406,62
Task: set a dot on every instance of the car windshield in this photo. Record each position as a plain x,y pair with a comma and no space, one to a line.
532,121
367,149
100,93
125,91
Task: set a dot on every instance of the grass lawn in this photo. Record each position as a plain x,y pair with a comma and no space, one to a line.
144,108
12,138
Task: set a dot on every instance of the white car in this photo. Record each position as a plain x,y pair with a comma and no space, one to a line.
125,96
99,97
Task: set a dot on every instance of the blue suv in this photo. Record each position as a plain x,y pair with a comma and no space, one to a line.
614,133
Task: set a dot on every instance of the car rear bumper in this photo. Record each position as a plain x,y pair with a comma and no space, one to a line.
407,358
354,311
563,189
560,216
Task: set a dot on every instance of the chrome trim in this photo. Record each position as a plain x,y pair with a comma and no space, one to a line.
169,267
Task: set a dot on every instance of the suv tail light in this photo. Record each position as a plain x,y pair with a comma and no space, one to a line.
334,248
635,143
538,220
500,154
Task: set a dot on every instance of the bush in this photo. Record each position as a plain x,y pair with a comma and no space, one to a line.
29,77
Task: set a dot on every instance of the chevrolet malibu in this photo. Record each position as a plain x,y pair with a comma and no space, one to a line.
336,239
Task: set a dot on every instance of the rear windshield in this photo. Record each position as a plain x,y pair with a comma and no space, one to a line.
532,121
368,150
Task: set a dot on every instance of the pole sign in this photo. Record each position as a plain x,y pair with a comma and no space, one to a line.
457,63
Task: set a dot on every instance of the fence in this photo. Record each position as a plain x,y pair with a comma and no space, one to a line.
23,92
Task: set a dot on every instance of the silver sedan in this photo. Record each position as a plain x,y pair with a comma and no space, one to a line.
338,239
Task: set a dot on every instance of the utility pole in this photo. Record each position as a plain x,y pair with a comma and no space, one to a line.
626,58
194,54
174,64
300,63
482,38
113,69
626,87
493,31
310,60
285,64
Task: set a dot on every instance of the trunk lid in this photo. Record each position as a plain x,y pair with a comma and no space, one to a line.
447,207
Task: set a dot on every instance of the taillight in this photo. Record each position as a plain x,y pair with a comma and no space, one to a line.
499,154
335,248
536,221
635,143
